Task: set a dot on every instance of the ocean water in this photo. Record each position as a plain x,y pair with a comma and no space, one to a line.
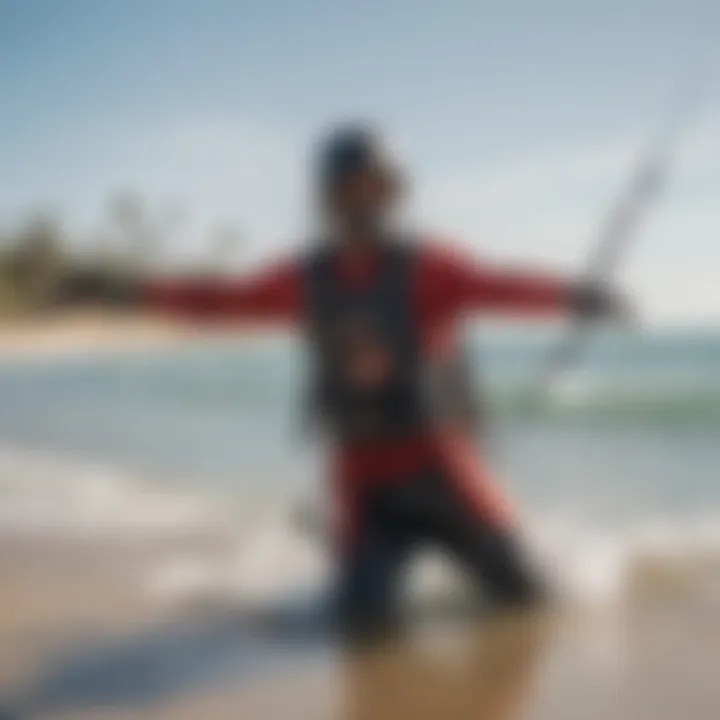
618,458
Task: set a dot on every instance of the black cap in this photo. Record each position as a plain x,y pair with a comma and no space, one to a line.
347,151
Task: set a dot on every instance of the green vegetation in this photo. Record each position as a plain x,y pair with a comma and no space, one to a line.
39,259
33,260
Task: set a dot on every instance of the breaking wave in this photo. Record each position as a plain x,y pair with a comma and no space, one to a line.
642,400
269,557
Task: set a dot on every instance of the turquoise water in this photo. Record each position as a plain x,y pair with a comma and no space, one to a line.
636,426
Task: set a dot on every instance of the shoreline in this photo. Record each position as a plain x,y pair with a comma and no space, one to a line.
92,332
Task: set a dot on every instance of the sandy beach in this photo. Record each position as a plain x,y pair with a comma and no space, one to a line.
90,332
84,332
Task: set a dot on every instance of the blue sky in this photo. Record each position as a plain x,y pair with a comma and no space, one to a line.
520,120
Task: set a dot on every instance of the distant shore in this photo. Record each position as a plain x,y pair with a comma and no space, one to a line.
94,332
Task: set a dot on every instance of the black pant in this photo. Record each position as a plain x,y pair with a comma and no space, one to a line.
398,518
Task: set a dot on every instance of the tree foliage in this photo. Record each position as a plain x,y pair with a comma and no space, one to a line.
38,257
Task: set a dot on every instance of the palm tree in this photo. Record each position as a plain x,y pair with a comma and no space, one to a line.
35,261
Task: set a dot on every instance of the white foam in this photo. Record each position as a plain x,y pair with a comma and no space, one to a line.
40,493
601,565
589,562
269,563
591,567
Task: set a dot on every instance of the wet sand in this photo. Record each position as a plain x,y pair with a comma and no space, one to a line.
81,637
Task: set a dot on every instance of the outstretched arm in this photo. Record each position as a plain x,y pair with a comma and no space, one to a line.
511,291
456,283
273,294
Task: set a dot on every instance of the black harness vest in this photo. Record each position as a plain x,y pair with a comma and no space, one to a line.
372,378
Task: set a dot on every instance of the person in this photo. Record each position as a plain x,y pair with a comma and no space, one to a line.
379,307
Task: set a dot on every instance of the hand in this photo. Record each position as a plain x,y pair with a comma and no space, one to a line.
593,301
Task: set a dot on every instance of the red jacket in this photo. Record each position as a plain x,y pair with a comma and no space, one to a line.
448,286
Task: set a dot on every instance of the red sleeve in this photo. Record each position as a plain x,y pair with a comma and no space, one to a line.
275,293
453,282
